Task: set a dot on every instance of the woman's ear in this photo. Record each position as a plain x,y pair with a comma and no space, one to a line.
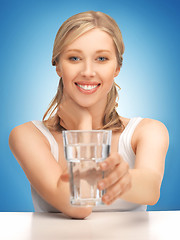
58,71
117,71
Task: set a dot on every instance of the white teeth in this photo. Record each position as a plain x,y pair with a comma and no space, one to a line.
87,87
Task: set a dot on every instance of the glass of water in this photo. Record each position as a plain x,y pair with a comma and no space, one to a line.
84,150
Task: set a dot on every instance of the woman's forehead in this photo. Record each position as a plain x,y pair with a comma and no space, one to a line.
94,39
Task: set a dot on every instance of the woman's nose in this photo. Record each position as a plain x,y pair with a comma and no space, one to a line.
88,70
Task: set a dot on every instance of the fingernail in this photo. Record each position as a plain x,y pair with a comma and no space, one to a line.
106,198
101,185
104,165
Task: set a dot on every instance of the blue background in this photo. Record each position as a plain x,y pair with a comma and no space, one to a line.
149,77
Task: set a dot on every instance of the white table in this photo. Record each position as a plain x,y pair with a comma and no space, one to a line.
99,225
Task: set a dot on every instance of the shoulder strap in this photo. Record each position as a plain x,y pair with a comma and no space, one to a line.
126,136
49,136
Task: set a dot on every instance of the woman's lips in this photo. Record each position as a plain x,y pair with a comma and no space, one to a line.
87,88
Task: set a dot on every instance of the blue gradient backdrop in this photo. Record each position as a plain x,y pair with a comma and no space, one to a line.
149,77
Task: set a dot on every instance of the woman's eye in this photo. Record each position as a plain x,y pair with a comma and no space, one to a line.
75,59
102,59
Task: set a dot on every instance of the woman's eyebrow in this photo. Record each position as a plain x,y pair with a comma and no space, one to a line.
78,50
73,50
103,50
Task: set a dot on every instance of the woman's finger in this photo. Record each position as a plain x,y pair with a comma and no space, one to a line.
116,174
59,111
63,124
116,190
111,161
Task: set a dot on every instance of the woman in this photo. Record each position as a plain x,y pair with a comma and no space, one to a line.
87,54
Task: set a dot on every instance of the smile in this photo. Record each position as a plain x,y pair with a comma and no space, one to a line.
88,89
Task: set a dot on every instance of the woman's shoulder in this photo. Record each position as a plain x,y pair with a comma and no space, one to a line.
26,132
148,131
147,125
151,130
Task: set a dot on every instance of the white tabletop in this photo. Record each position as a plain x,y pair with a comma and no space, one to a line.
99,225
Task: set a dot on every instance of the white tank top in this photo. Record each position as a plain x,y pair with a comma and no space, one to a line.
124,148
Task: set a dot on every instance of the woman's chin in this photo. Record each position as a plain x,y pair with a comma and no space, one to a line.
86,105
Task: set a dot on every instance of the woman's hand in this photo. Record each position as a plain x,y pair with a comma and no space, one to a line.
72,116
118,179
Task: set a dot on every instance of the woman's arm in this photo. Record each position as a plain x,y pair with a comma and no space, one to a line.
142,184
32,151
152,145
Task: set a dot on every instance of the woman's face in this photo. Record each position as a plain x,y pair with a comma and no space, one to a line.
88,67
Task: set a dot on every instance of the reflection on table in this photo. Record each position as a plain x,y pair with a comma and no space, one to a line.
99,225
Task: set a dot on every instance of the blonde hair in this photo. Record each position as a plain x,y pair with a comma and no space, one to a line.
76,26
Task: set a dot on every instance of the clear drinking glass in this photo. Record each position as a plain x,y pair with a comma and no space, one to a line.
84,150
